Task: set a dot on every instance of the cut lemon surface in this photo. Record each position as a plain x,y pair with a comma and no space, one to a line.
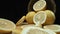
20,21
55,28
6,25
36,30
39,18
50,17
39,5
29,17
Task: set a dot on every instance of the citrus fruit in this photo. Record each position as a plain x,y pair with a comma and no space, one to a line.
50,17
36,30
6,25
44,17
39,18
55,28
20,21
29,17
39,5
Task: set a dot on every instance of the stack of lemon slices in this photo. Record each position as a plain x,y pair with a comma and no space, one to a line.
39,21
35,21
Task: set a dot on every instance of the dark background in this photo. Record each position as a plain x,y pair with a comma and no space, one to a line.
14,10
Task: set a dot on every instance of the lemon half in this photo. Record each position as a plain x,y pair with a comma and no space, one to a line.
6,25
39,18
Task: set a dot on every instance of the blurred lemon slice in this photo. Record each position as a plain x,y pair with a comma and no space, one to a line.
6,25
55,28
50,17
20,21
39,18
23,26
36,30
29,17
39,5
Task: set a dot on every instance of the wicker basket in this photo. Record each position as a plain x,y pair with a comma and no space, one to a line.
50,5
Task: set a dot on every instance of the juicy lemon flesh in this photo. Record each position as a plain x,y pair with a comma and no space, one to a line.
39,18
5,25
36,31
39,5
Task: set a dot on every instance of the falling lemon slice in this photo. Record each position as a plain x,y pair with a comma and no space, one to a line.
36,30
29,17
39,18
6,25
20,21
55,28
50,17
39,5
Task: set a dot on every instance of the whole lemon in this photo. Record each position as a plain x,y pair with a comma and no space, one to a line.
29,17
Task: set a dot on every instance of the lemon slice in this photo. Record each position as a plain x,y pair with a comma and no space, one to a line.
29,17
39,18
50,17
20,20
36,30
6,25
39,5
55,28
23,26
